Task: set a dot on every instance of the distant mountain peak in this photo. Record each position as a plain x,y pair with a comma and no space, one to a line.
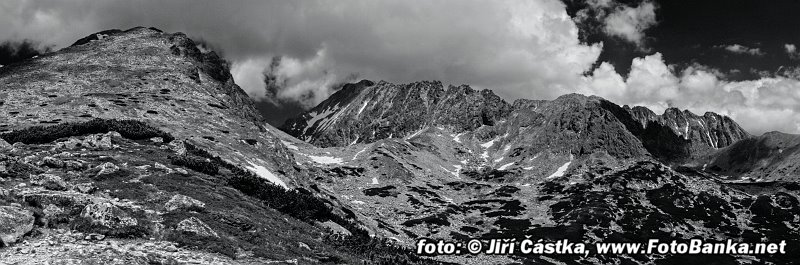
361,113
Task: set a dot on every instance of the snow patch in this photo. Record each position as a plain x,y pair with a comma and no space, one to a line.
447,199
290,145
560,171
359,152
325,159
316,117
457,138
357,202
266,174
458,168
375,181
488,144
415,133
503,167
362,108
686,131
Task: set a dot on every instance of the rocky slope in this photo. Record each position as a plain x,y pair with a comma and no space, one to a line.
135,140
704,133
365,112
140,149
773,156
577,167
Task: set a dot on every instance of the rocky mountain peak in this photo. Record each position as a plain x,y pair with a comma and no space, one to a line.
143,74
388,110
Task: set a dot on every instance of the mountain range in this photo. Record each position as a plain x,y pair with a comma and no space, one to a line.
137,147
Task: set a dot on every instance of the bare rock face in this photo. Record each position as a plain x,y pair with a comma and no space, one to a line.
366,111
53,162
196,226
144,83
49,181
4,144
107,215
94,141
14,223
162,78
107,168
66,199
773,156
708,131
182,202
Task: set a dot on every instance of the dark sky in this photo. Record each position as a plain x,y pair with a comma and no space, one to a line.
737,58
696,32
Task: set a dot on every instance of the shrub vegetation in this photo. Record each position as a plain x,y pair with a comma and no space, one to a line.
130,129
195,163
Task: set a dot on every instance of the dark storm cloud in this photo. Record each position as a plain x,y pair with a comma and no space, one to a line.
654,53
518,48
15,51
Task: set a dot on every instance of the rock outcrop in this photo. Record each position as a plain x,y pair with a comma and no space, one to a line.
196,226
773,156
366,111
49,181
182,202
710,130
14,223
103,133
108,216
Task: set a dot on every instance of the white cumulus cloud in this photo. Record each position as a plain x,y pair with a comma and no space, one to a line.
518,48
741,49
629,23
791,50
766,104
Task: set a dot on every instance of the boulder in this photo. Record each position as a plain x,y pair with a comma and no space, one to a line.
107,168
94,141
193,225
4,193
63,199
52,162
182,202
73,165
4,144
94,237
113,134
51,211
87,187
178,147
162,167
336,228
14,223
107,215
49,181
99,141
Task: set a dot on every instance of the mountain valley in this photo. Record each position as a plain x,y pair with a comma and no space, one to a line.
136,147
